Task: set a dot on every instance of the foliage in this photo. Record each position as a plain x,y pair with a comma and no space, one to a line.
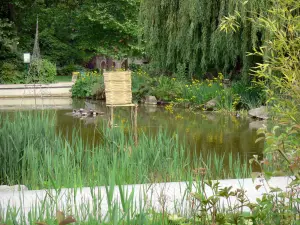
72,31
275,207
141,85
195,93
41,71
87,85
63,163
186,34
8,39
280,75
135,67
68,69
165,88
250,95
9,73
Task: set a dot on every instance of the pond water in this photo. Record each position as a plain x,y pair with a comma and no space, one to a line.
203,132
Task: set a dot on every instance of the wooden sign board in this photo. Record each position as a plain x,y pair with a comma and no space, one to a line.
118,88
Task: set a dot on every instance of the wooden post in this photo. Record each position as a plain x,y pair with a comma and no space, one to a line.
135,125
111,122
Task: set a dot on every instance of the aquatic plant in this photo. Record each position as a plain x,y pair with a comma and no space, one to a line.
43,158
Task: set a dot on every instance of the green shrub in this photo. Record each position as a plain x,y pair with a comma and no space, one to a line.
9,74
41,71
98,89
251,96
88,85
135,67
141,85
166,88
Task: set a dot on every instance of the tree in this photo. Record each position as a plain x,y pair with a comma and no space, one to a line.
279,76
74,31
8,39
186,34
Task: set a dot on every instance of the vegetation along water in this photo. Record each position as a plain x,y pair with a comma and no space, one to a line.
192,56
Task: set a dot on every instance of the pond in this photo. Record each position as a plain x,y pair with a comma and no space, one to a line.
203,132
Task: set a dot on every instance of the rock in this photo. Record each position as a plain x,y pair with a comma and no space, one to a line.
255,125
4,188
260,113
210,105
150,100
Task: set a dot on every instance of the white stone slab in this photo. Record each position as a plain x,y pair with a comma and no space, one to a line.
172,197
38,102
61,89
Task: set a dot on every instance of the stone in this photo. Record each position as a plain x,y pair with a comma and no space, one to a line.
210,105
150,100
5,188
260,113
147,196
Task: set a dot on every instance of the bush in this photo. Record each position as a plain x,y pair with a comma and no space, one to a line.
141,85
9,74
68,69
41,71
135,67
88,85
251,96
165,88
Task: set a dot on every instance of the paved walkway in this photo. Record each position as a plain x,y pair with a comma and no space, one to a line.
172,197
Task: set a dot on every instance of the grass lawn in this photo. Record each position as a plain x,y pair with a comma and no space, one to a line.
63,79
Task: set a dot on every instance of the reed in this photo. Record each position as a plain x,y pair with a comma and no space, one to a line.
34,153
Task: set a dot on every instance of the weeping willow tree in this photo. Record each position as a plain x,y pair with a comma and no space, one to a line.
185,34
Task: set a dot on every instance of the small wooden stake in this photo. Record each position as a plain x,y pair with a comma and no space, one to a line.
111,117
135,125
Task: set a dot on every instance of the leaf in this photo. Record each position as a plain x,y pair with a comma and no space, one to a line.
68,220
245,2
294,182
60,216
275,189
41,223
258,186
268,175
198,196
255,175
259,139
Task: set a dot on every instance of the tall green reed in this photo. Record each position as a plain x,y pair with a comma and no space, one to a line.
34,153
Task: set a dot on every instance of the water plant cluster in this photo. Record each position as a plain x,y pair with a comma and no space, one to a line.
43,158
